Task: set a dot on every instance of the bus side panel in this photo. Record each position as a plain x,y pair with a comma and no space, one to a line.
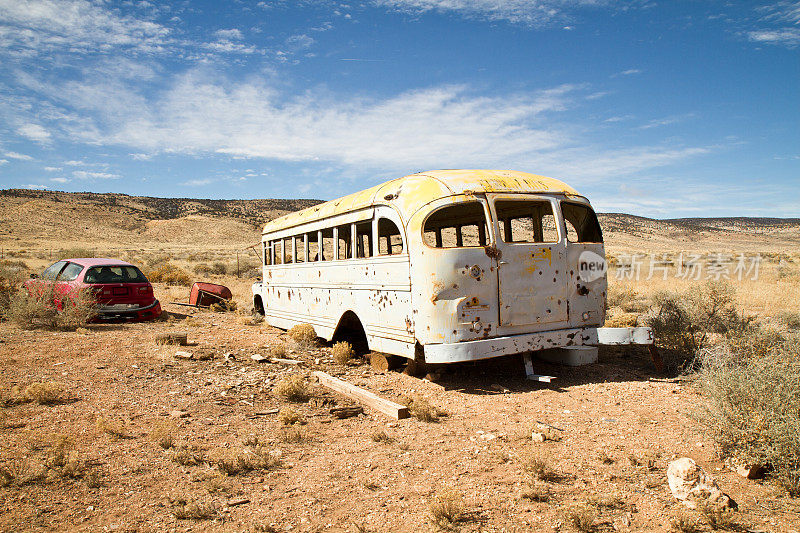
377,290
587,297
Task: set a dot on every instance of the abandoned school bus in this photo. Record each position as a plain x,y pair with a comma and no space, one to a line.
442,266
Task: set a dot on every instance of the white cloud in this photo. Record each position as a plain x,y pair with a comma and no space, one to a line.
197,182
73,163
35,186
52,169
60,180
444,126
34,132
3,161
786,36
630,72
527,12
86,175
299,42
229,35
17,156
75,25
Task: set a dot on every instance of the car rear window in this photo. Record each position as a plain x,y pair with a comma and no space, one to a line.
114,274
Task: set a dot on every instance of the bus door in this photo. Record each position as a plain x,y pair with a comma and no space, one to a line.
531,260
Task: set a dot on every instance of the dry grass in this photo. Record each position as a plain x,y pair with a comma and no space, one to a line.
195,511
187,456
447,509
293,388
292,435
752,407
278,351
536,492
163,433
239,462
343,353
422,410
581,517
717,517
113,428
685,524
304,335
43,393
45,308
381,436
170,274
539,469
289,416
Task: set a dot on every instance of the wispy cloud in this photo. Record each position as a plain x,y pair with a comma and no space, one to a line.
197,182
60,180
86,175
665,121
18,156
34,132
3,161
786,36
526,12
52,169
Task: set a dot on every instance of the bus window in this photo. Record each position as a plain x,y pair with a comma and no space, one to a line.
328,250
300,249
345,252
287,250
313,246
526,221
389,240
277,251
456,226
581,222
267,253
364,239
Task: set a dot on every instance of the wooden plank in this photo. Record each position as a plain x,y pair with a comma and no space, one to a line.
286,361
529,370
392,409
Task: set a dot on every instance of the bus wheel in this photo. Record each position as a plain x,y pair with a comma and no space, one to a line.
258,305
384,362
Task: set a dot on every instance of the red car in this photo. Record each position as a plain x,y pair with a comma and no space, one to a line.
121,290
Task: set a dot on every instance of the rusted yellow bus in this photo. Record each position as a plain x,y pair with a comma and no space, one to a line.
441,266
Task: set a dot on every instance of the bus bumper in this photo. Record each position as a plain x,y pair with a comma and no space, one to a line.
476,350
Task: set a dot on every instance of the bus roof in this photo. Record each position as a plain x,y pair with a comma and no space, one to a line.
410,193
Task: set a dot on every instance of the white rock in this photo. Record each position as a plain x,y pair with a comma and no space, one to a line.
183,355
691,485
538,437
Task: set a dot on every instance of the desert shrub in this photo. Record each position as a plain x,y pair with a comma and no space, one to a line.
342,353
624,297
277,350
790,319
536,492
12,275
113,428
46,309
169,274
292,435
684,321
718,517
447,509
202,268
77,252
293,388
752,404
622,320
685,524
304,335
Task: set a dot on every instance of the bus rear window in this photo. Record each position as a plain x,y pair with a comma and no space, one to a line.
581,222
456,226
526,221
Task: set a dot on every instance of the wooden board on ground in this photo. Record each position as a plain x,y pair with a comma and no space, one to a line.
387,407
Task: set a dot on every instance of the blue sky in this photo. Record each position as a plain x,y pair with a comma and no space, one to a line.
662,109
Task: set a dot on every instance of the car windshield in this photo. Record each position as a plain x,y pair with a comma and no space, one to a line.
114,274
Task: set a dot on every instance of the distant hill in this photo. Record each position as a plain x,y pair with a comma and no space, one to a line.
38,219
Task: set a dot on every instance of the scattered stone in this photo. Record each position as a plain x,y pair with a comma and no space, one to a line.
238,501
538,437
749,471
691,485
229,357
500,388
258,358
346,412
179,414
172,338
183,355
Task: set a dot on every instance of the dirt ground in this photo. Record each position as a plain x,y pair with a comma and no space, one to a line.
612,428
